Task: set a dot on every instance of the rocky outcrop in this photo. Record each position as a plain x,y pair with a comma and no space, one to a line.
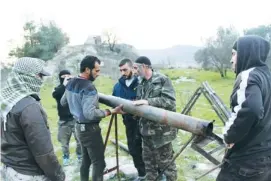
70,56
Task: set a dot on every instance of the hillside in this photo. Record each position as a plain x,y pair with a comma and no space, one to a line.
69,57
176,56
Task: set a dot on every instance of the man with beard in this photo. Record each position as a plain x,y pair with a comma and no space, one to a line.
155,89
66,121
126,89
248,131
82,98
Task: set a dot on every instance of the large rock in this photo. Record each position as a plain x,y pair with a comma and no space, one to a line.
93,40
69,57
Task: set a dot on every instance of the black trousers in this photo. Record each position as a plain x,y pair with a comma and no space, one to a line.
92,146
252,169
134,141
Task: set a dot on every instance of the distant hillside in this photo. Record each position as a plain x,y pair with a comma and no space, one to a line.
176,56
69,57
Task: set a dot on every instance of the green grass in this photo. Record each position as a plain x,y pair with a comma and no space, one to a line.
184,90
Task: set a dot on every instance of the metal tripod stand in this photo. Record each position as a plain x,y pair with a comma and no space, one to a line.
112,119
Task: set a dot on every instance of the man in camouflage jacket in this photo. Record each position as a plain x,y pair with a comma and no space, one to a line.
156,90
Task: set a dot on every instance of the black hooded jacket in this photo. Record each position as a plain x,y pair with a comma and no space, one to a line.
249,127
63,112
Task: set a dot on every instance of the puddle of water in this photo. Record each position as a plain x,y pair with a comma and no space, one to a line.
184,79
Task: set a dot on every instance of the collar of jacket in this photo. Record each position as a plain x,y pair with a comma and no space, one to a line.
133,84
36,97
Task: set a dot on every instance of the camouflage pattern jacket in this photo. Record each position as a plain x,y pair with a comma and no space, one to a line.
159,92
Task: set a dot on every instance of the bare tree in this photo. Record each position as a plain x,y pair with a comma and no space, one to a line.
217,51
110,39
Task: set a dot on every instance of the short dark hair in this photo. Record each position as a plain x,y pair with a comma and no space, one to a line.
88,62
124,61
143,60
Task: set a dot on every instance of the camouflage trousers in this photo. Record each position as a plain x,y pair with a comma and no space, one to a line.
9,174
156,159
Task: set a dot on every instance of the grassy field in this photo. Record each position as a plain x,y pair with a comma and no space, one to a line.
187,161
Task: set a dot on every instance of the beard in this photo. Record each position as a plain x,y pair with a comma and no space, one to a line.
128,76
91,78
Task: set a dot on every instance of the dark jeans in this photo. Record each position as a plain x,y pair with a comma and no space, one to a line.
65,131
93,151
246,170
134,141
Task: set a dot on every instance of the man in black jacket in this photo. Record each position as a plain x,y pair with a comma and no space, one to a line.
66,121
248,131
27,151
126,89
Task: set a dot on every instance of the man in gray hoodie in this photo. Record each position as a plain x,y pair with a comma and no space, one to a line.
82,98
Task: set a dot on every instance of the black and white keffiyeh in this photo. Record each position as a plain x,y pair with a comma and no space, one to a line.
22,82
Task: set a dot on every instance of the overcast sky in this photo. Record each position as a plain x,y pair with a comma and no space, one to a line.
146,24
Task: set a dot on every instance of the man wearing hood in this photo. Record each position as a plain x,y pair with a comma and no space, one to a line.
126,89
66,121
27,152
248,131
